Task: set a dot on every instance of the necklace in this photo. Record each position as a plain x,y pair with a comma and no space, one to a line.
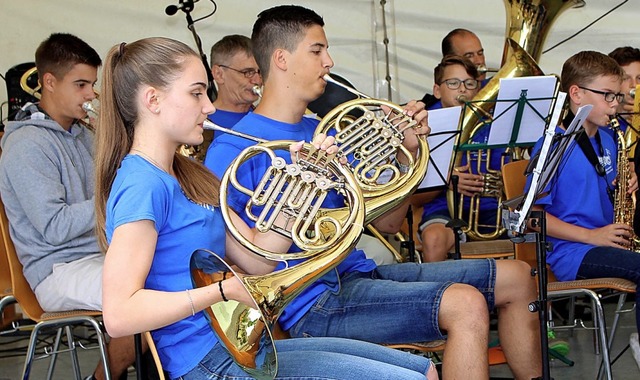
149,159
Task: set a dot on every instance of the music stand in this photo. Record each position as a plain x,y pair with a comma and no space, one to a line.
516,211
444,124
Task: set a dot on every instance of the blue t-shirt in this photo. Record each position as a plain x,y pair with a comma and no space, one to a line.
219,156
141,191
578,195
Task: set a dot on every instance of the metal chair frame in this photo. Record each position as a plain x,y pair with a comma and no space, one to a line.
46,321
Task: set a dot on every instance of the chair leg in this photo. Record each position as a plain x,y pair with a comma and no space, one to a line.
31,350
73,351
599,321
102,342
54,354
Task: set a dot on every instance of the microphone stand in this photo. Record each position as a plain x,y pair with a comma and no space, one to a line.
186,7
456,223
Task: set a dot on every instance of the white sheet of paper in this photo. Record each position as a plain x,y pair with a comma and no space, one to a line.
445,121
532,125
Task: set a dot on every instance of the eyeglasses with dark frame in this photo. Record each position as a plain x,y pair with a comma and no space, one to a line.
608,96
454,83
248,73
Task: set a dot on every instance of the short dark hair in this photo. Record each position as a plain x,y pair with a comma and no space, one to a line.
447,45
625,55
584,67
281,27
223,50
61,51
451,60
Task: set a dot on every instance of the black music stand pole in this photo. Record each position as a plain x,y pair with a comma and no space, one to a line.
456,224
538,219
410,244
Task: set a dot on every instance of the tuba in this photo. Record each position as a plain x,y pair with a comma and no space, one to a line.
528,23
624,204
288,200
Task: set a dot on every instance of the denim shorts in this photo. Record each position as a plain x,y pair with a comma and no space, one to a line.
396,303
320,359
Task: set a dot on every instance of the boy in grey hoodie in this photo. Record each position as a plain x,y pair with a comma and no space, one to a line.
47,186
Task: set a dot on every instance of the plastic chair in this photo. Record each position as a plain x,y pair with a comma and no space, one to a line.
514,181
59,320
154,353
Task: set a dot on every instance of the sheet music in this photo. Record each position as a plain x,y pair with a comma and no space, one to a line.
444,124
532,125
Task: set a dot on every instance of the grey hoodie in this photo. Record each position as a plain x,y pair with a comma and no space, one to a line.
46,185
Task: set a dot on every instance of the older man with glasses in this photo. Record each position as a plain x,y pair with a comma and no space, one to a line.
237,77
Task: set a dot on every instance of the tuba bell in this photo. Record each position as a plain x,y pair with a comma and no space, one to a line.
528,24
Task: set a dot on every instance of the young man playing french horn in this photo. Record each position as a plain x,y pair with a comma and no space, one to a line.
391,303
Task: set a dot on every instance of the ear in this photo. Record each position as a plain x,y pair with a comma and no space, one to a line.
48,82
150,99
218,75
436,91
575,94
279,59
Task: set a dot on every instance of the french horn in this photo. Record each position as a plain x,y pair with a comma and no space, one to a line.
528,24
294,192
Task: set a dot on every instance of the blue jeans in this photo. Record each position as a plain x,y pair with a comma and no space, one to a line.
396,303
612,262
321,358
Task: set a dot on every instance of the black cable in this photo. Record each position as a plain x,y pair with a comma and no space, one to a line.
585,28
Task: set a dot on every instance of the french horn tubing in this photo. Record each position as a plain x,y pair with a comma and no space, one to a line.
24,83
295,193
371,138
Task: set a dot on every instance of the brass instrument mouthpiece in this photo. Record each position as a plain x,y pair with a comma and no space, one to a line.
90,109
461,98
257,90
484,69
632,93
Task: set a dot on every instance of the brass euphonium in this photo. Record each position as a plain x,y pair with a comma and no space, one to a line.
624,204
528,23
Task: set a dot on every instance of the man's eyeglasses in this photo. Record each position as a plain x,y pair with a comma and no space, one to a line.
248,73
608,96
454,83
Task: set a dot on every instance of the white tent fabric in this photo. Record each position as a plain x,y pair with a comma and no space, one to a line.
356,30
